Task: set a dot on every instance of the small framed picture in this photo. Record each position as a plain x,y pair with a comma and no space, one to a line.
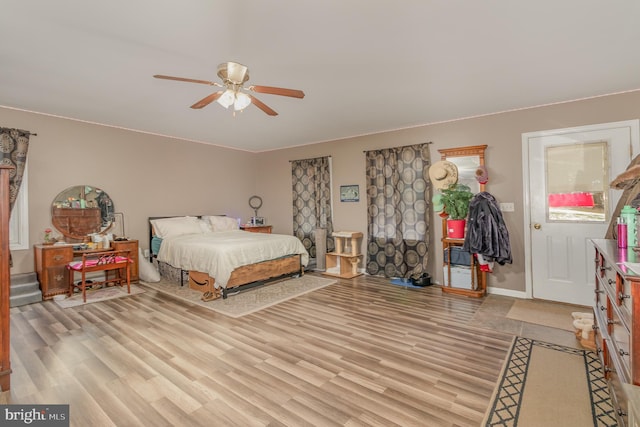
349,193
257,220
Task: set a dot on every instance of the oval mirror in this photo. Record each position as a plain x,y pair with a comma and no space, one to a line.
82,210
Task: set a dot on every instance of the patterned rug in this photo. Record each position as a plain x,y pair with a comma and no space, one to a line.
248,301
97,295
545,384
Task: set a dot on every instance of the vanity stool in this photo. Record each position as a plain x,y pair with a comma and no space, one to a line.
117,261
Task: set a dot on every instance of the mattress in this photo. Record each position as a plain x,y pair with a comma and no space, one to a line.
219,253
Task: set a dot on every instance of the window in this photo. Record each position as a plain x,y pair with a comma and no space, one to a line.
19,223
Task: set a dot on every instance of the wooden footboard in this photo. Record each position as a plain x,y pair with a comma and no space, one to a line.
258,273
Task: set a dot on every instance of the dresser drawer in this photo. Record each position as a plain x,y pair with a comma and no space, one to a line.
623,300
620,340
57,280
617,392
57,256
598,338
601,311
606,273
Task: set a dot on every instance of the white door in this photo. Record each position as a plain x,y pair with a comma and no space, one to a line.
568,201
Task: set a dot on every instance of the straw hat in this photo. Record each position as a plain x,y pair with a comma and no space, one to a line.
443,174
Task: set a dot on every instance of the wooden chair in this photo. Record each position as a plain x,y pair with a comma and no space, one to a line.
116,261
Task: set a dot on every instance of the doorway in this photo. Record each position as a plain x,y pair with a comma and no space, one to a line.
566,175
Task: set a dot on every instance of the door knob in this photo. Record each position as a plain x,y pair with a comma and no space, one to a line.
537,226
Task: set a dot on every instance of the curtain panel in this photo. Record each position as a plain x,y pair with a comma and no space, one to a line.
311,179
14,144
398,189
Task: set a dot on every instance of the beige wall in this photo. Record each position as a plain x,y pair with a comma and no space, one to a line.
145,175
502,133
149,175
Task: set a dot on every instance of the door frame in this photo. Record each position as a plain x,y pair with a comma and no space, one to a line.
634,149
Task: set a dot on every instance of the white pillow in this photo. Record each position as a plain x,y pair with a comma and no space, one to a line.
222,223
205,225
177,226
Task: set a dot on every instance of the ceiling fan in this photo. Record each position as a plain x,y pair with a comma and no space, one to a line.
233,77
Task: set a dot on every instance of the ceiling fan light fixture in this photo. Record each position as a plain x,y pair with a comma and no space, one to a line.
234,76
227,98
242,101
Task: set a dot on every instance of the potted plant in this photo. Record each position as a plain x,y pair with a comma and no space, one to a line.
456,199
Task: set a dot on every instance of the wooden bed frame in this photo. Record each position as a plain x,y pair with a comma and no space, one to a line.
246,276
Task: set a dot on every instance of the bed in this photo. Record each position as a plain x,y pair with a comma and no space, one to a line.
215,250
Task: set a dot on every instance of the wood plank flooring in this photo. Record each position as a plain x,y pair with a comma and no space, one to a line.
360,352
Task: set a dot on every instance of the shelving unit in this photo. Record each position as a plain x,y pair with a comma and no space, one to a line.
478,279
466,159
343,263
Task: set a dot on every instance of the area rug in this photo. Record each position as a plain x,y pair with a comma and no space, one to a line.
97,295
248,301
553,315
545,384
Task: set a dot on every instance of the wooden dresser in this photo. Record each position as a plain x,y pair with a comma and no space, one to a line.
51,261
617,320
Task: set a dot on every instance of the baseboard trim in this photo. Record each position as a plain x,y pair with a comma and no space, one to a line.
507,292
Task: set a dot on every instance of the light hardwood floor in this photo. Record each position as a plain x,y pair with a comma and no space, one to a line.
360,352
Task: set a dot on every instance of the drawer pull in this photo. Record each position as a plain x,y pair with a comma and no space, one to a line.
621,352
58,257
622,296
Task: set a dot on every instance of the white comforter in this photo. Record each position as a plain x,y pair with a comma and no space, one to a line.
221,252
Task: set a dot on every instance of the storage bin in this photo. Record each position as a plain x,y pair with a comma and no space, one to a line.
460,277
458,256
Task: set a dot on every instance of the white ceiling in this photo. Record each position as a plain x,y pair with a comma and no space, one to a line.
366,66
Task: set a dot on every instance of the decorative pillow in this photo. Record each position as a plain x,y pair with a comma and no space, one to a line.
169,227
222,223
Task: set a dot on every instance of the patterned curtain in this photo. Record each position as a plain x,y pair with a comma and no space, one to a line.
14,144
311,179
398,191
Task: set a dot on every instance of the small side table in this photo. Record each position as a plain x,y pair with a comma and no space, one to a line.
342,263
257,228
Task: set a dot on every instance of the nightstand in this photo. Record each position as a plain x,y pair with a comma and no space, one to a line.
257,228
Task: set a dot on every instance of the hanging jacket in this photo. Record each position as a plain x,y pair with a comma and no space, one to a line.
487,233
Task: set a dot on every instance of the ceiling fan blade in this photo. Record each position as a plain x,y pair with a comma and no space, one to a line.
261,105
207,100
278,91
182,79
